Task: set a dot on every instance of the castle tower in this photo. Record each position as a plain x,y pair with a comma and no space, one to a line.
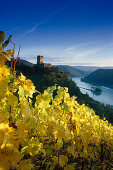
39,59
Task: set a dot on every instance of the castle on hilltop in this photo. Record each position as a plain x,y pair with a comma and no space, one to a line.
41,63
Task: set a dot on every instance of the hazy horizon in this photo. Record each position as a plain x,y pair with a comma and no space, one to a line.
70,64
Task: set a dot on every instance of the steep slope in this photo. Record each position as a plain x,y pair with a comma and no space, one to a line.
101,77
26,62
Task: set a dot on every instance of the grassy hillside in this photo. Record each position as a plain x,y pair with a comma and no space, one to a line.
101,77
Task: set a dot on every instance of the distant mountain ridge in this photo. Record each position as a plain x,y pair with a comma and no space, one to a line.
91,68
102,77
73,71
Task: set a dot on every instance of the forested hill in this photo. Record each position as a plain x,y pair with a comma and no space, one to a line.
26,62
101,77
73,71
46,77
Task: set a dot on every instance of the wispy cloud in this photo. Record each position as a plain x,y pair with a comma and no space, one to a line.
58,11
84,45
31,30
61,56
89,53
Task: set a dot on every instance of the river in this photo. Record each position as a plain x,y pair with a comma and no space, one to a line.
105,97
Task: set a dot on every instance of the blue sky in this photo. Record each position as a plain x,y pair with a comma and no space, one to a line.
73,32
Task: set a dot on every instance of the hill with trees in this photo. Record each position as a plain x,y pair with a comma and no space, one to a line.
74,72
26,62
102,77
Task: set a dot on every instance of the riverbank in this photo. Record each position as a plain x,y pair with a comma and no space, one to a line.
97,84
106,96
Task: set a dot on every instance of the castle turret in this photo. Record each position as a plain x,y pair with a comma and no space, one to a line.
40,62
39,59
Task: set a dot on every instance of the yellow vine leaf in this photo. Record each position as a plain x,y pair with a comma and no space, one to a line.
25,165
55,160
69,167
63,160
